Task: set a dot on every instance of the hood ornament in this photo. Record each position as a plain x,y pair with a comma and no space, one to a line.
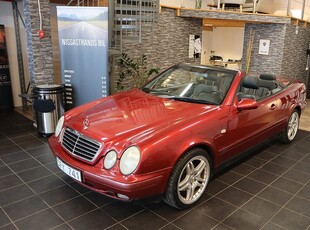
85,123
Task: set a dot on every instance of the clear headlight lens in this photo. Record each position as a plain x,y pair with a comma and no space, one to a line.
110,159
129,160
59,125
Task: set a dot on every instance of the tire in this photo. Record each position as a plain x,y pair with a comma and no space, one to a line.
186,184
290,132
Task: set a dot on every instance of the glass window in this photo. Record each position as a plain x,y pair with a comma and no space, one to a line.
190,83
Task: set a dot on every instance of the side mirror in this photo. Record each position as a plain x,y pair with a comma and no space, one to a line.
247,104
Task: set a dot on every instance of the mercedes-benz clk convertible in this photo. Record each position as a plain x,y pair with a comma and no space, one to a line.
171,135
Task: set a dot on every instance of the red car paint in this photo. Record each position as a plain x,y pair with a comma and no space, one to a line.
164,129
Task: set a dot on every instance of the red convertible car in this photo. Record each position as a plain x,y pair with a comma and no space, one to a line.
170,136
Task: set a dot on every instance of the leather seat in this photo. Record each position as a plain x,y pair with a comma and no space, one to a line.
267,83
206,92
249,87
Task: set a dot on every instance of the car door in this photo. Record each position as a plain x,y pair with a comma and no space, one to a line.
248,128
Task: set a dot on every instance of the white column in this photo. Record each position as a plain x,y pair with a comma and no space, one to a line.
288,9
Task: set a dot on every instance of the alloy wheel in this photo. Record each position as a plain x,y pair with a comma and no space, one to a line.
193,179
293,124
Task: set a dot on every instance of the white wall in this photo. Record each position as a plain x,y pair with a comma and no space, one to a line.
227,42
6,19
296,5
279,7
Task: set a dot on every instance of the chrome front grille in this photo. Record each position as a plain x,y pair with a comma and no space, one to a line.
79,145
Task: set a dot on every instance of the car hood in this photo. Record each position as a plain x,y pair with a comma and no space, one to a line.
134,114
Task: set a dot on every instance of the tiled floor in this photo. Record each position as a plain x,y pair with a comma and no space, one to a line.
270,190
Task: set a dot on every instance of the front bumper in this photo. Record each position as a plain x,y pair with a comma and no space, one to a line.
114,184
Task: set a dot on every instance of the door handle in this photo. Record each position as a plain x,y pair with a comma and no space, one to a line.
273,107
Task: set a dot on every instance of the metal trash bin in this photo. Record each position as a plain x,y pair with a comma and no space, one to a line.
48,106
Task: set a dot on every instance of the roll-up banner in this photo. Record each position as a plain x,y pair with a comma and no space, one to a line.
83,43
6,97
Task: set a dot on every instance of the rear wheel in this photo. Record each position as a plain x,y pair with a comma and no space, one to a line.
189,179
291,129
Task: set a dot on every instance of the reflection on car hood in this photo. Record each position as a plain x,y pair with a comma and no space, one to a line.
134,114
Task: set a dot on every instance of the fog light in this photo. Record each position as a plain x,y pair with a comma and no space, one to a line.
121,196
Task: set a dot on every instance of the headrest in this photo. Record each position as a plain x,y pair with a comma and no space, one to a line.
250,82
267,84
268,76
212,76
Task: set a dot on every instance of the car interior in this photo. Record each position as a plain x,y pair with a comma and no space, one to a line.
210,86
258,87
214,87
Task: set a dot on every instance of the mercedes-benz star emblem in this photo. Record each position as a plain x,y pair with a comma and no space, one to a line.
85,123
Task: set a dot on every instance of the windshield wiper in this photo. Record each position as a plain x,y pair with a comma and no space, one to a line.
193,100
157,92
168,95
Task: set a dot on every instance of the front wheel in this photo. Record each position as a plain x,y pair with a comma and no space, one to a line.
291,129
189,179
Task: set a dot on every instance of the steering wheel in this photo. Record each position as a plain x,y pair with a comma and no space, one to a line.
218,92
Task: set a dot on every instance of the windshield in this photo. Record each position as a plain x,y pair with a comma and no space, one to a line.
192,84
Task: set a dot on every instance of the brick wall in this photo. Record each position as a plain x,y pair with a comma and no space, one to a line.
287,55
213,14
39,50
169,41
271,63
294,52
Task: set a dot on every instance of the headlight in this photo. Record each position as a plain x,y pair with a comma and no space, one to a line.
110,159
129,160
59,125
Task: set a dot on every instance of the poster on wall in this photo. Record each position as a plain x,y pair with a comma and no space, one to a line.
194,46
83,44
264,46
6,97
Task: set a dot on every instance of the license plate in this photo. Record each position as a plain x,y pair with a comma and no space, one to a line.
75,174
